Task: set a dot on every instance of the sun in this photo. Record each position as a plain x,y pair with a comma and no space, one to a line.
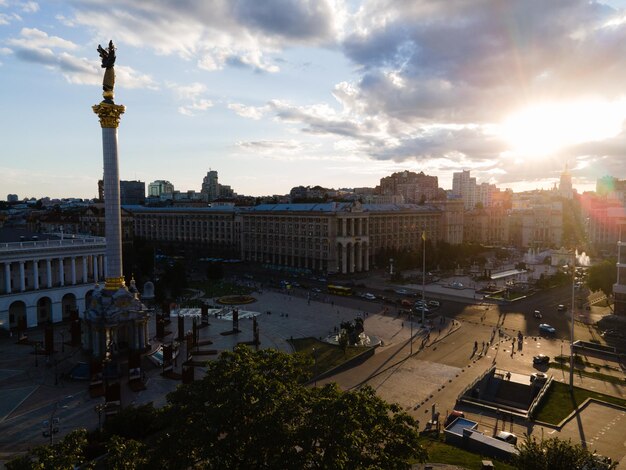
544,129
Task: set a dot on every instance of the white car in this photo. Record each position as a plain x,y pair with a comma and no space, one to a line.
368,296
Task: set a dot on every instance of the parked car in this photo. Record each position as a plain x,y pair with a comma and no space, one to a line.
507,437
547,329
456,285
434,303
537,314
541,359
561,308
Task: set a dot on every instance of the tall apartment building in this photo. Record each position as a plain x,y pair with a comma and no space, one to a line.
161,189
46,277
566,189
210,186
413,187
464,186
132,192
619,288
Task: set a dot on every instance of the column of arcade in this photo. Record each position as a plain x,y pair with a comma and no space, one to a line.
353,245
49,272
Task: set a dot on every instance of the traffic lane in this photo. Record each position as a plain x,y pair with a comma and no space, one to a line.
456,349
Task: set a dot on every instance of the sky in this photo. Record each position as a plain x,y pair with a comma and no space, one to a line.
277,93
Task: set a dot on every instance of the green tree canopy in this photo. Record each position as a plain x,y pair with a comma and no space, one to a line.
557,454
602,276
252,410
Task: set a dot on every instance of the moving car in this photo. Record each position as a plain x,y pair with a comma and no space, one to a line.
402,291
537,314
456,285
547,329
541,359
434,303
507,437
561,308
369,296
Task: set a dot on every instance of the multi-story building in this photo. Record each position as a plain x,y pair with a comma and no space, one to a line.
566,189
464,186
413,187
161,189
209,229
132,192
46,277
540,226
210,186
333,237
488,226
619,288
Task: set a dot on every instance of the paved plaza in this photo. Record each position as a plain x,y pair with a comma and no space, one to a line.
433,369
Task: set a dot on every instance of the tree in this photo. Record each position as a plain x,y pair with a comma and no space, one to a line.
557,454
251,410
125,454
602,276
64,455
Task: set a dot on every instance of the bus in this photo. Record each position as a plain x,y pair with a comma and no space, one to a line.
339,290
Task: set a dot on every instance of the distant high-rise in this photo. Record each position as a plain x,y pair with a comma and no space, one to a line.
565,184
464,186
413,187
160,188
132,192
210,186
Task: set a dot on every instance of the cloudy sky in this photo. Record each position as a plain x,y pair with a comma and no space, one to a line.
278,93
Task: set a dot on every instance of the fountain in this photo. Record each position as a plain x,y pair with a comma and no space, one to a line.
582,259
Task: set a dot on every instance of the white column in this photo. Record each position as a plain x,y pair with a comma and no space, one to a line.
344,259
113,222
105,266
7,277
48,273
61,273
36,274
352,260
85,276
366,259
22,277
95,268
73,270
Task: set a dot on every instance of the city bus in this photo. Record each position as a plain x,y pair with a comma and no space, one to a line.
339,290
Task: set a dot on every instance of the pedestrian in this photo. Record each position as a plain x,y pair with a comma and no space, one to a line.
402,324
475,345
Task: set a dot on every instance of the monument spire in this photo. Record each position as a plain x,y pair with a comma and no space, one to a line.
109,114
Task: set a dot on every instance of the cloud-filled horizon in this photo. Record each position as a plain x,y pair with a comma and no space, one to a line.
282,93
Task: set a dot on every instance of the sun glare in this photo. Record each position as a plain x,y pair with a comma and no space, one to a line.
544,129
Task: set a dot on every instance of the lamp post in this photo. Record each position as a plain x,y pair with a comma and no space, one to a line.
423,274
571,356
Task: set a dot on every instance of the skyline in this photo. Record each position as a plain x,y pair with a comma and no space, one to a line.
330,93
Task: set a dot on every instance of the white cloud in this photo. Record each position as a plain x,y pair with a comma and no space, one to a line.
33,38
30,7
193,93
250,112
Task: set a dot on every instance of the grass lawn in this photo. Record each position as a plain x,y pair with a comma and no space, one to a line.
440,452
559,403
328,355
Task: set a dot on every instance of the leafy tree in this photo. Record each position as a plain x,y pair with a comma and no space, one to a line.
602,276
251,410
557,454
67,454
123,454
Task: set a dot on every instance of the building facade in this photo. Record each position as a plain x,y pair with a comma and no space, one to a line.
45,278
619,288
